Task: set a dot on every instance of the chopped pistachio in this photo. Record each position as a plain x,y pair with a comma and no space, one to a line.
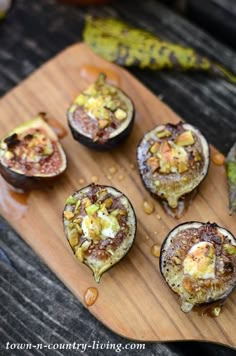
85,245
164,133
185,139
176,260
68,215
79,229
9,155
108,202
155,147
120,114
73,237
182,167
79,254
153,163
70,200
91,209
157,183
230,249
123,212
115,212
86,202
110,251
103,123
80,100
77,205
216,311
72,108
197,156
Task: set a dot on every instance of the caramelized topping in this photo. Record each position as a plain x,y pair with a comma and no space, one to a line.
104,104
171,154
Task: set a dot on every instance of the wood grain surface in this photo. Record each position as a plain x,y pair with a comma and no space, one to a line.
133,299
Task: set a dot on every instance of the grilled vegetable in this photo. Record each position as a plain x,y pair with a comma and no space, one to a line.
198,262
173,160
102,116
231,175
128,46
31,155
100,225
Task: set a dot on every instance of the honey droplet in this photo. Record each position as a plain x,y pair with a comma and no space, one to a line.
148,207
94,179
112,169
109,177
218,158
90,296
120,177
81,181
132,166
155,250
158,217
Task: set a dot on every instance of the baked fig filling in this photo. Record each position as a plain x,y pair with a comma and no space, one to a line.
100,114
173,160
198,262
31,151
100,225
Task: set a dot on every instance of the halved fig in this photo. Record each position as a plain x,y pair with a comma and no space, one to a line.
102,116
173,160
100,225
198,262
31,155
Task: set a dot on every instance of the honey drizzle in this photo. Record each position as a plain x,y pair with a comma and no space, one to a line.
90,73
13,202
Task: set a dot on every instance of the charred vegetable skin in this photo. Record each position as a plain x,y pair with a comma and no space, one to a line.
173,160
198,262
231,177
118,42
100,225
102,116
31,155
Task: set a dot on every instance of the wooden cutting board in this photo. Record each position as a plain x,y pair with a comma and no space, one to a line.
134,300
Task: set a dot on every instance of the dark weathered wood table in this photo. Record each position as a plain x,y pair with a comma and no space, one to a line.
35,306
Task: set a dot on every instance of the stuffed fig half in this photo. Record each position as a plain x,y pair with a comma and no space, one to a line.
198,262
31,155
173,160
100,225
102,116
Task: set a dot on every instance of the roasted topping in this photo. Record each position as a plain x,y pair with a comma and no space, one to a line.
101,110
173,160
198,261
31,150
185,139
100,225
170,156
